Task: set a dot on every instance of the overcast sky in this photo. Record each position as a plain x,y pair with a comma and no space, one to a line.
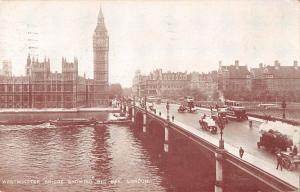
172,35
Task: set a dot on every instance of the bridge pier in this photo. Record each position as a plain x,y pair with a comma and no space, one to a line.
132,114
166,142
144,122
219,170
121,104
125,109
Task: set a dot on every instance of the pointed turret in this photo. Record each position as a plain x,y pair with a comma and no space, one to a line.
100,28
100,17
28,60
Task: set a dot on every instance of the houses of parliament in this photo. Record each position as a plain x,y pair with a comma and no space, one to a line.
41,88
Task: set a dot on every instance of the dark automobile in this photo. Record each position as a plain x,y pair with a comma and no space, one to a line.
274,141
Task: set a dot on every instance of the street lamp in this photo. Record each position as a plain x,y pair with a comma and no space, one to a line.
221,126
283,105
133,101
168,107
145,103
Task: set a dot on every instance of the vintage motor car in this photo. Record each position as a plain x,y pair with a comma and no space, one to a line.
208,124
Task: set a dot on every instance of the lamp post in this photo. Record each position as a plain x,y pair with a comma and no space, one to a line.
221,126
168,108
145,103
220,155
133,110
124,103
129,106
283,105
133,101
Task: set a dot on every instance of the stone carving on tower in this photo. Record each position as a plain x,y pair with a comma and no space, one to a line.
100,47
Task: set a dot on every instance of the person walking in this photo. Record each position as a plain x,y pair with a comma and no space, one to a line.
279,162
295,150
172,118
241,151
250,124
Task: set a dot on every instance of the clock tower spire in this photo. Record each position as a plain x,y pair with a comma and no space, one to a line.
100,46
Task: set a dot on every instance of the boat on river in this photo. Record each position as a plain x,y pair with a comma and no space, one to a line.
23,122
120,116
73,121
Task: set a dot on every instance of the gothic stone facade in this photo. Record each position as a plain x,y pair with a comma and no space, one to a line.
101,46
40,88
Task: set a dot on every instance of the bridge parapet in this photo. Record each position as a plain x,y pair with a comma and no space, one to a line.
210,144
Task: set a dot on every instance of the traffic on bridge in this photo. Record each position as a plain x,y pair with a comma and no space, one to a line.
246,135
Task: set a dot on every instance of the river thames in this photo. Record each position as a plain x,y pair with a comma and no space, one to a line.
104,158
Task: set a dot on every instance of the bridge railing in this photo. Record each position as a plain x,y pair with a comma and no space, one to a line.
250,163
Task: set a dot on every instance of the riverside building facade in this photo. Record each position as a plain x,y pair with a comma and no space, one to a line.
41,88
235,81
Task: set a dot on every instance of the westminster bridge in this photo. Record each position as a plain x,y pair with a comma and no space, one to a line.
254,171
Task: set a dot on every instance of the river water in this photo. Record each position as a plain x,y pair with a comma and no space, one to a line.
107,158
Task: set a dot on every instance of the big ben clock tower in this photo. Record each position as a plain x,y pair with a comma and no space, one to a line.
100,46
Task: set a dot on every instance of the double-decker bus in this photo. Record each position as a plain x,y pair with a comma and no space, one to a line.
235,111
153,99
230,103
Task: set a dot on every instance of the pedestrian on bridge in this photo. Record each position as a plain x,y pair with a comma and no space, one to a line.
172,118
250,124
279,161
241,151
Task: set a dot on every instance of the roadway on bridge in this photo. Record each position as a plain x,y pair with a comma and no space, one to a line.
237,134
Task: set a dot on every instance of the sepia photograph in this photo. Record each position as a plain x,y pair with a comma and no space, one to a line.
140,95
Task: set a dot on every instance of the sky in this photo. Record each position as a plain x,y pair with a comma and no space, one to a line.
146,35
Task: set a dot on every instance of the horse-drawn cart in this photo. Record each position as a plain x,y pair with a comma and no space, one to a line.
289,160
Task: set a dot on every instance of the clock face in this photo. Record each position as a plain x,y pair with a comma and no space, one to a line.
100,42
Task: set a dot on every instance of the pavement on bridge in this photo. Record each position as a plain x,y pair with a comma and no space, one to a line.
236,135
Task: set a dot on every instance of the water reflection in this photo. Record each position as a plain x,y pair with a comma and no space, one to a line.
185,167
104,158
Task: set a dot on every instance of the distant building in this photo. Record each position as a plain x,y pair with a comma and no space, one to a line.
136,83
233,78
6,68
231,81
44,89
158,83
206,83
277,80
41,88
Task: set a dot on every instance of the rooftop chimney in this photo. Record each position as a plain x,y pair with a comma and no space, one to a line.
296,64
236,63
276,64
